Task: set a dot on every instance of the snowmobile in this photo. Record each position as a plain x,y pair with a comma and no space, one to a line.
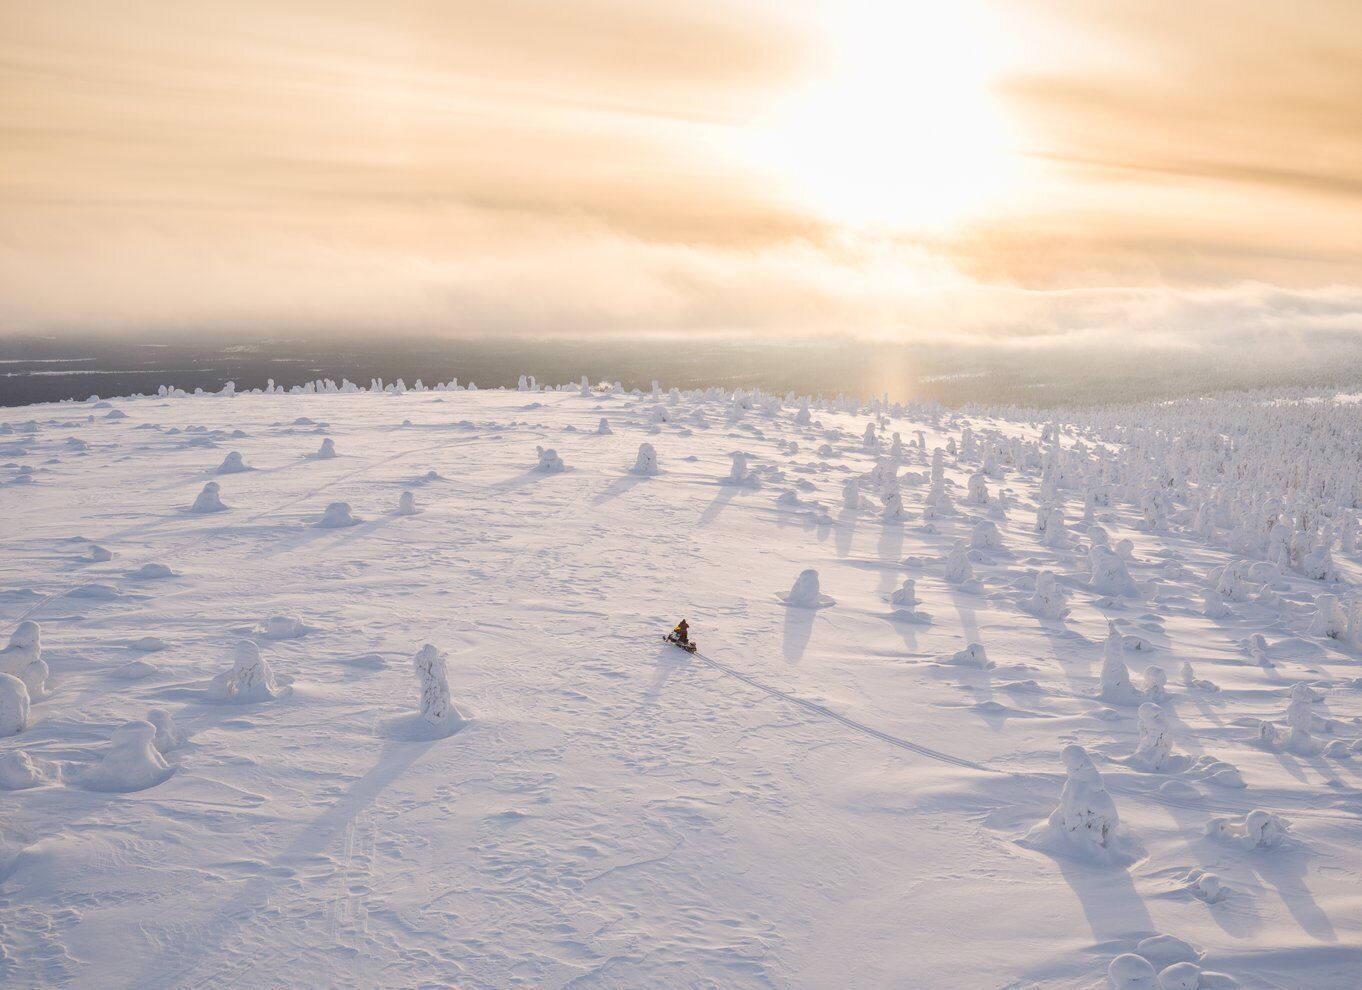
689,645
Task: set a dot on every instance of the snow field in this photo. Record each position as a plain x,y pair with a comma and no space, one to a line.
385,748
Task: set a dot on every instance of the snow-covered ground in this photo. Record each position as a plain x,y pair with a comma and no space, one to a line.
239,767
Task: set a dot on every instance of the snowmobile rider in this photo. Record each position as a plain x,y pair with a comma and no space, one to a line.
682,632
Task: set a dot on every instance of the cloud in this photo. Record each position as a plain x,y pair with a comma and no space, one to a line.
339,166
1216,140
581,279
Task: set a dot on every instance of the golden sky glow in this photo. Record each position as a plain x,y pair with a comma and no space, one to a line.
1039,169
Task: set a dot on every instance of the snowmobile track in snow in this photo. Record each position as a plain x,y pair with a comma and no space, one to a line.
1057,778
850,723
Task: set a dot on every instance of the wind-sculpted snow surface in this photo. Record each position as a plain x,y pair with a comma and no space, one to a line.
1100,667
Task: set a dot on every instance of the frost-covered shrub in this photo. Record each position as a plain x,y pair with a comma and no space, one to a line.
1109,573
977,489
1233,582
1213,605
985,536
646,462
433,680
250,680
893,506
851,494
1085,822
1115,687
1329,618
1155,683
1155,748
1048,601
958,567
549,461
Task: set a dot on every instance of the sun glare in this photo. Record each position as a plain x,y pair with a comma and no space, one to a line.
899,130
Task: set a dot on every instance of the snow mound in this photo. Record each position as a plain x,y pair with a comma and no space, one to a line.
1129,971
132,762
134,670
971,656
337,516
906,595
1257,830
284,627
168,734
23,658
1206,886
233,464
13,705
151,572
209,500
805,592
18,772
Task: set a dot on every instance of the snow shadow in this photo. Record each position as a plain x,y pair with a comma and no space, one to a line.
617,488
720,502
796,632
312,841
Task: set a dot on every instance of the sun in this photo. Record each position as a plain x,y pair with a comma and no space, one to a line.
899,129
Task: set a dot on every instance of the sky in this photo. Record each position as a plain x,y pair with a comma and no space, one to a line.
1029,172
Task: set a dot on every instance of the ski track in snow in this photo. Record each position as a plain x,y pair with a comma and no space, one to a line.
612,817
